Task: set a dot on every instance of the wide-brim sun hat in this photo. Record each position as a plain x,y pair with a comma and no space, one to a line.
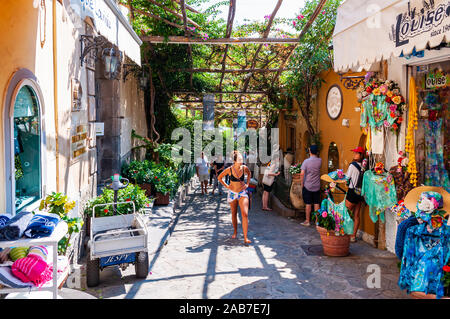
413,196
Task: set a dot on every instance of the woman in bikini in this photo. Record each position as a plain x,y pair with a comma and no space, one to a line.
237,192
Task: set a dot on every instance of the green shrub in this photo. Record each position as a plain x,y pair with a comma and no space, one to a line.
131,193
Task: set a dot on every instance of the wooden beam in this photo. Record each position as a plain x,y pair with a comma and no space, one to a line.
173,12
265,35
231,70
186,33
223,102
158,18
220,92
219,41
302,33
231,14
189,7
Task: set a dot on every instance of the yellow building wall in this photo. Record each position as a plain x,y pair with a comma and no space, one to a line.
346,138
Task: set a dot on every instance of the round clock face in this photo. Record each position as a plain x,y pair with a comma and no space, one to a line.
334,102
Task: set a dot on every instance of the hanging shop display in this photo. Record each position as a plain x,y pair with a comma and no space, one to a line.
431,143
382,108
379,191
423,241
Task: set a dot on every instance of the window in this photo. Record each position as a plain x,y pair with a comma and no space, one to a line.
26,127
333,157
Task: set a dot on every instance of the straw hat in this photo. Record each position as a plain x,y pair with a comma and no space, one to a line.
414,195
328,179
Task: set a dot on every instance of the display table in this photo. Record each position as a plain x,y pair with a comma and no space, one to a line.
59,232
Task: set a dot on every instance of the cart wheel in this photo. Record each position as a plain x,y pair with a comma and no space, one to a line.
92,270
141,265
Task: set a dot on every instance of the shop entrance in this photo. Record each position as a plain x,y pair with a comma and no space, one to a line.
433,134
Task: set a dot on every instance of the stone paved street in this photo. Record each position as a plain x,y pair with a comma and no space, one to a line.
285,260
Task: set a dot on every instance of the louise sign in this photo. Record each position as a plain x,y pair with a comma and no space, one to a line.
431,19
438,79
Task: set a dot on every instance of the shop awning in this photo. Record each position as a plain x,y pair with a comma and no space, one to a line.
112,24
373,30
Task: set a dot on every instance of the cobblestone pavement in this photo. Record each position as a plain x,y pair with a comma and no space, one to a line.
285,260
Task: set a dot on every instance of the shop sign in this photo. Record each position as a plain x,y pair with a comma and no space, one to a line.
252,124
78,141
438,79
429,20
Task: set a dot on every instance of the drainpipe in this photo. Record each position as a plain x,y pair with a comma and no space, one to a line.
55,94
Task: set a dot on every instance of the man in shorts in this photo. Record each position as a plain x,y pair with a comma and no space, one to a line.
202,169
310,182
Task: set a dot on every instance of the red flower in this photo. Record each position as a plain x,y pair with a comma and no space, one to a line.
394,126
105,210
400,120
446,268
388,99
369,90
127,199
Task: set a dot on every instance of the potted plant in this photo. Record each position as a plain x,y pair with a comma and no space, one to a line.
139,173
59,204
295,171
335,242
164,180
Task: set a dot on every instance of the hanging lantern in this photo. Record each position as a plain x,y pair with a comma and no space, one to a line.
112,60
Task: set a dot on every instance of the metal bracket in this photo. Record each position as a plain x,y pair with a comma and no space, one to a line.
89,44
127,69
351,82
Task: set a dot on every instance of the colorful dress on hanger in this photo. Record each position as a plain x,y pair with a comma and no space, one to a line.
341,216
379,193
375,111
424,256
435,171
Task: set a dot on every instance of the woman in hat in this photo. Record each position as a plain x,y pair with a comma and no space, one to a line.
237,192
354,199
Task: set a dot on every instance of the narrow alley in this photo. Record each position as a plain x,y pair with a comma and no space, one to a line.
285,261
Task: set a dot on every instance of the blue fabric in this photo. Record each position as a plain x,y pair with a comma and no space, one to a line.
42,225
401,233
15,227
3,220
424,256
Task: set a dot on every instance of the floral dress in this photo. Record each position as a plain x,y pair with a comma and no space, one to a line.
379,193
435,171
424,256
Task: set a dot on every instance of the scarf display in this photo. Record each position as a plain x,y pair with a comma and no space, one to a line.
34,267
379,193
16,226
42,225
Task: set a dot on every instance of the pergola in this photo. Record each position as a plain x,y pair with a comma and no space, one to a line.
249,98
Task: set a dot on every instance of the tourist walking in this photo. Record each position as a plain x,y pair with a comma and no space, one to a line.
202,168
310,182
269,177
237,192
218,167
354,199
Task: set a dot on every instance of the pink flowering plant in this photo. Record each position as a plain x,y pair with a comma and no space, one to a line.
323,218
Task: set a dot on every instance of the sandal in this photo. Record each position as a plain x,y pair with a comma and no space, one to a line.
305,223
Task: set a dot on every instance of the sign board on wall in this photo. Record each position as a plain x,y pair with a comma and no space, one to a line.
436,79
78,141
252,124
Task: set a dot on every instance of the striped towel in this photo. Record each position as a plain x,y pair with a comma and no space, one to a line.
32,269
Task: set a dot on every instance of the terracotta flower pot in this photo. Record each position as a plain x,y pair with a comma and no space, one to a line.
148,189
162,199
422,295
334,246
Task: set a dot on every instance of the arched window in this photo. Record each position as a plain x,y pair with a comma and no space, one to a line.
27,148
24,143
333,157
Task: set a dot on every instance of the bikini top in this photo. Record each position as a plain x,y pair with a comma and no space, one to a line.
235,179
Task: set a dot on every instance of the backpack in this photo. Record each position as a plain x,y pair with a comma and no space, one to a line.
358,186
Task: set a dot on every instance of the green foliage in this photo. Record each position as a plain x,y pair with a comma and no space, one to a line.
326,222
59,204
131,193
311,57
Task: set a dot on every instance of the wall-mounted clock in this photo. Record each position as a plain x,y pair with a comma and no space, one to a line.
335,102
